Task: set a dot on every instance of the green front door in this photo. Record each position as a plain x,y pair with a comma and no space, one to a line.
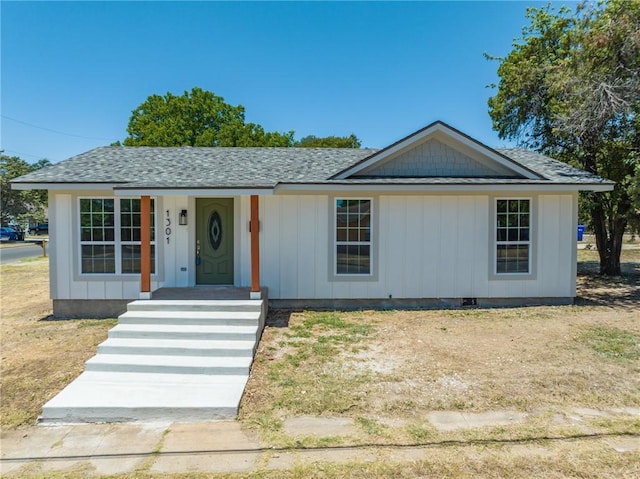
214,240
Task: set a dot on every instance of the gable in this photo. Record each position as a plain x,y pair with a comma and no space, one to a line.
441,151
435,158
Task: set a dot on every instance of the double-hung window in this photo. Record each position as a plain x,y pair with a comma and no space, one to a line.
513,236
110,235
353,248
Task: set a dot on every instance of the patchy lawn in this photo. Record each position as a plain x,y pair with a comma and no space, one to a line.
39,356
399,366
390,369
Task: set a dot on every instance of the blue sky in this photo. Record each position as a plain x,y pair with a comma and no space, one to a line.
72,72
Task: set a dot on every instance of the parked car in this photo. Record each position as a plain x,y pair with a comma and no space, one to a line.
39,229
18,229
8,234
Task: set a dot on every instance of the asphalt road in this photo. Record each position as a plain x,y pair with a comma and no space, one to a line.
14,254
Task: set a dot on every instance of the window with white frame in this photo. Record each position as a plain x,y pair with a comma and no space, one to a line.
110,235
353,248
513,236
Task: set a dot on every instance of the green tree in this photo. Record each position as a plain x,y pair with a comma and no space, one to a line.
570,88
197,118
312,141
17,205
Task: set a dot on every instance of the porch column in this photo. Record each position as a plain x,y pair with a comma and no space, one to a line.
145,247
255,249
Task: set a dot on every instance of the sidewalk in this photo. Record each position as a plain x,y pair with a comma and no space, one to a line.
217,447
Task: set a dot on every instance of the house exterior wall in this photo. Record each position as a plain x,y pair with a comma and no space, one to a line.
66,282
174,243
426,246
431,246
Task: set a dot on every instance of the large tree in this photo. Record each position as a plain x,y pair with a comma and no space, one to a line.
570,88
201,118
197,118
17,205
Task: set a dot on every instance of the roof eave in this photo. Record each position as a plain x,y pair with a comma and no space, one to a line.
53,186
193,191
441,187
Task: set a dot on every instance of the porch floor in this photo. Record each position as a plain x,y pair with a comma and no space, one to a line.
205,293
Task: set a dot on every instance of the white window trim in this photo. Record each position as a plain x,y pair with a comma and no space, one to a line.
334,241
531,274
117,242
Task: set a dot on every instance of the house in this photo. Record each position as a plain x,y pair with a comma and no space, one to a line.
436,218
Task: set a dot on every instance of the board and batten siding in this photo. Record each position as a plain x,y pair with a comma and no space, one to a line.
66,282
432,246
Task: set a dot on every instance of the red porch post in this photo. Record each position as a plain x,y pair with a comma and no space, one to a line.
145,247
255,249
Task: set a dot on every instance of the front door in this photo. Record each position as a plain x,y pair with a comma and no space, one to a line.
214,240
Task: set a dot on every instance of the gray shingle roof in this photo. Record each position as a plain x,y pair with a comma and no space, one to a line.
186,167
198,167
549,168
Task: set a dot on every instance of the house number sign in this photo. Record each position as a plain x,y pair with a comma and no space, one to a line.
167,229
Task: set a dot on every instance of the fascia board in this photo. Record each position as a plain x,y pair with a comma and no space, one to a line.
192,191
453,188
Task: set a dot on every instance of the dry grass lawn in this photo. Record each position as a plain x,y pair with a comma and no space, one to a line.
39,356
390,369
410,362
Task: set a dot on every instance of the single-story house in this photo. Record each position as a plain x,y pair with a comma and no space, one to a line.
436,218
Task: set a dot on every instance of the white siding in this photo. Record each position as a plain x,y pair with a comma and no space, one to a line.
557,240
61,249
64,250
431,246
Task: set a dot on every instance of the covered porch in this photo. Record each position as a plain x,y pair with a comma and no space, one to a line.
219,288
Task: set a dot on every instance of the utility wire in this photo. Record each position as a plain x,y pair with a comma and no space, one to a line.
56,131
19,153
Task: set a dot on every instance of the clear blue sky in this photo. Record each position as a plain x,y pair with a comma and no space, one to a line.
72,72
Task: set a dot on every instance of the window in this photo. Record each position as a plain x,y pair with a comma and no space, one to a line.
353,237
513,236
110,236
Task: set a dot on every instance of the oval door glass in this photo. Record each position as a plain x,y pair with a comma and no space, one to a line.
214,229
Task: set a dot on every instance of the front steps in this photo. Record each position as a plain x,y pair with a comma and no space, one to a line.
166,360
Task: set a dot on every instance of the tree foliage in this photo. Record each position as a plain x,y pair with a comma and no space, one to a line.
570,88
201,118
312,141
17,205
197,118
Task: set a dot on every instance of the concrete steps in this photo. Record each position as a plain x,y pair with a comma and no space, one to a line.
174,360
178,347
170,331
183,364
209,318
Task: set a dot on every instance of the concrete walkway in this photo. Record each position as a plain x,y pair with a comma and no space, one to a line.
217,447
